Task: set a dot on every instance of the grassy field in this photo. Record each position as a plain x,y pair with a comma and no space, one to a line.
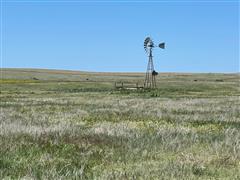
75,125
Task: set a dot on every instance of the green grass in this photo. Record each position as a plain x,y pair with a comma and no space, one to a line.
59,125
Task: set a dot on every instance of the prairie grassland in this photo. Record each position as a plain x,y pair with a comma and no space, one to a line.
53,127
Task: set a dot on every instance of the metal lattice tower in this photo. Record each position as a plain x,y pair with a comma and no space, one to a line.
150,78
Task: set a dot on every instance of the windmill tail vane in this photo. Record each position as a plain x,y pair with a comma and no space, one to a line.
150,77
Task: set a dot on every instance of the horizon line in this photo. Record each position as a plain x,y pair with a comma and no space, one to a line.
87,71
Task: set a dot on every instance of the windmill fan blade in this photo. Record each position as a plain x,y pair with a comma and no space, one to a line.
146,41
162,45
146,49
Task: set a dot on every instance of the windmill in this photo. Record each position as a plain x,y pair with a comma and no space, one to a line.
150,78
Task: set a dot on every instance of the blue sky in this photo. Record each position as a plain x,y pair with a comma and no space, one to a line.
108,36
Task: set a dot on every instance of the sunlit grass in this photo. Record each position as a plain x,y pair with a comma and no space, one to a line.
48,131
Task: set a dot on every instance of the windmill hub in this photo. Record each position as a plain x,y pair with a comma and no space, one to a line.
150,78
